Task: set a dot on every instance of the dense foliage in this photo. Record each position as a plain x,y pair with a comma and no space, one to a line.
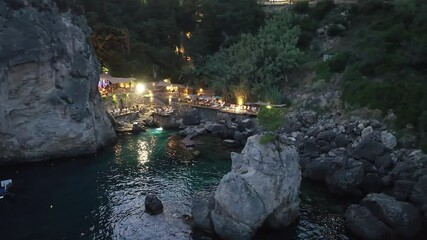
258,61
388,66
220,24
151,38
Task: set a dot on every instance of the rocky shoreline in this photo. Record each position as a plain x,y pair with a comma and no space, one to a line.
353,157
356,157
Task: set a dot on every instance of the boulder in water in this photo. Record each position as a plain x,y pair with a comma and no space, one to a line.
362,223
153,205
261,190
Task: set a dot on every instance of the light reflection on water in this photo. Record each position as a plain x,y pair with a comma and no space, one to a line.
102,197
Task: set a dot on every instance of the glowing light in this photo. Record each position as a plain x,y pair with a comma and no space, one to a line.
172,88
188,35
269,106
140,88
159,129
240,101
150,93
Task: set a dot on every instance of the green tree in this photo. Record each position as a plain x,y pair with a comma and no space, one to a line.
220,24
260,61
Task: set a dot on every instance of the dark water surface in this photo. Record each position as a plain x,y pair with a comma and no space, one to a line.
102,197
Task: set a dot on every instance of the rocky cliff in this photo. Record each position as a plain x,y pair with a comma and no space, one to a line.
49,103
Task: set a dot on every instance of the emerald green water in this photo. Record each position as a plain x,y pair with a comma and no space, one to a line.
102,197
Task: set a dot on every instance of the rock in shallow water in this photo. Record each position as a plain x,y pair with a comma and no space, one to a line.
153,205
261,189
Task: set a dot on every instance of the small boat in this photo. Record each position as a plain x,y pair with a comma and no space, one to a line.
5,185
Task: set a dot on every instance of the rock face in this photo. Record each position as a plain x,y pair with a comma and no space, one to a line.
261,190
49,103
202,205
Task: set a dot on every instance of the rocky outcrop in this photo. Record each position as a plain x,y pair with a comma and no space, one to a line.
49,103
380,216
234,129
354,157
261,190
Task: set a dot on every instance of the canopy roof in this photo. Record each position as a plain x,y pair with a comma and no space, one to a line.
166,84
116,80
259,103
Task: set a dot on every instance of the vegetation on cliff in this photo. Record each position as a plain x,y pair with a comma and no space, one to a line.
384,61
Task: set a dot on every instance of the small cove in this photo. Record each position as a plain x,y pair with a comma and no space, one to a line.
102,196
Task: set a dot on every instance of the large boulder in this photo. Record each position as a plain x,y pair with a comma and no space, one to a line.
319,168
192,131
347,179
388,139
342,140
246,124
153,205
368,149
419,193
261,190
50,106
402,217
213,127
362,223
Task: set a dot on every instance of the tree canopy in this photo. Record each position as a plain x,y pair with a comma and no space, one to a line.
258,61
151,38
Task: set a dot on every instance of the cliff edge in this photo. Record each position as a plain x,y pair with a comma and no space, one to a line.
49,103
